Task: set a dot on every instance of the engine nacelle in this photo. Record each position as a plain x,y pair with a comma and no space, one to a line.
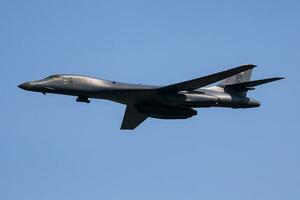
192,100
166,112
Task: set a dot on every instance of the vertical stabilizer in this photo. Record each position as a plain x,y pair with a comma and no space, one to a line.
238,78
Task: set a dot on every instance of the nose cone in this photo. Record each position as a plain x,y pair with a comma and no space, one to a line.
25,86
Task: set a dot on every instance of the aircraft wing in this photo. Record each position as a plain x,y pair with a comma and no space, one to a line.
206,80
132,118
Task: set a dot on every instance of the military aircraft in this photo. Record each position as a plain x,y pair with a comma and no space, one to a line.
174,101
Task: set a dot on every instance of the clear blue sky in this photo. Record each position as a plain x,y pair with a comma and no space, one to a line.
54,148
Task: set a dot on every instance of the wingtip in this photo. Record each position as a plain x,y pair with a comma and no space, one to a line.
251,66
279,78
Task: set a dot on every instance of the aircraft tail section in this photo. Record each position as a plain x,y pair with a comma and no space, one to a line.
248,85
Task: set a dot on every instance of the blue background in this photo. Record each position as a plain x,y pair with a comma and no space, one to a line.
54,148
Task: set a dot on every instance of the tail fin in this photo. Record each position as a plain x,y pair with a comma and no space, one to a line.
238,78
241,83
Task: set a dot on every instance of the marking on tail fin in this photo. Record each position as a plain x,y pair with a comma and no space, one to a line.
239,77
244,76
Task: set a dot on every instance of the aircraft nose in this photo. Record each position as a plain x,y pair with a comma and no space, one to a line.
25,86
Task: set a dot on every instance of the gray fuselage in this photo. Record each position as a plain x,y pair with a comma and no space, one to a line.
87,87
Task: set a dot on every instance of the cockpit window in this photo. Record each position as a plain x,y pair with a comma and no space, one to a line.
52,76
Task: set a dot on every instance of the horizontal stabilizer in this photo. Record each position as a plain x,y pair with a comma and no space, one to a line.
206,80
251,84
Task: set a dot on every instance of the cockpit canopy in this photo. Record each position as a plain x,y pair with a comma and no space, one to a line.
52,77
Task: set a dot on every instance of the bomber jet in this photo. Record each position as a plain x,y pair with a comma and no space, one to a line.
176,101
